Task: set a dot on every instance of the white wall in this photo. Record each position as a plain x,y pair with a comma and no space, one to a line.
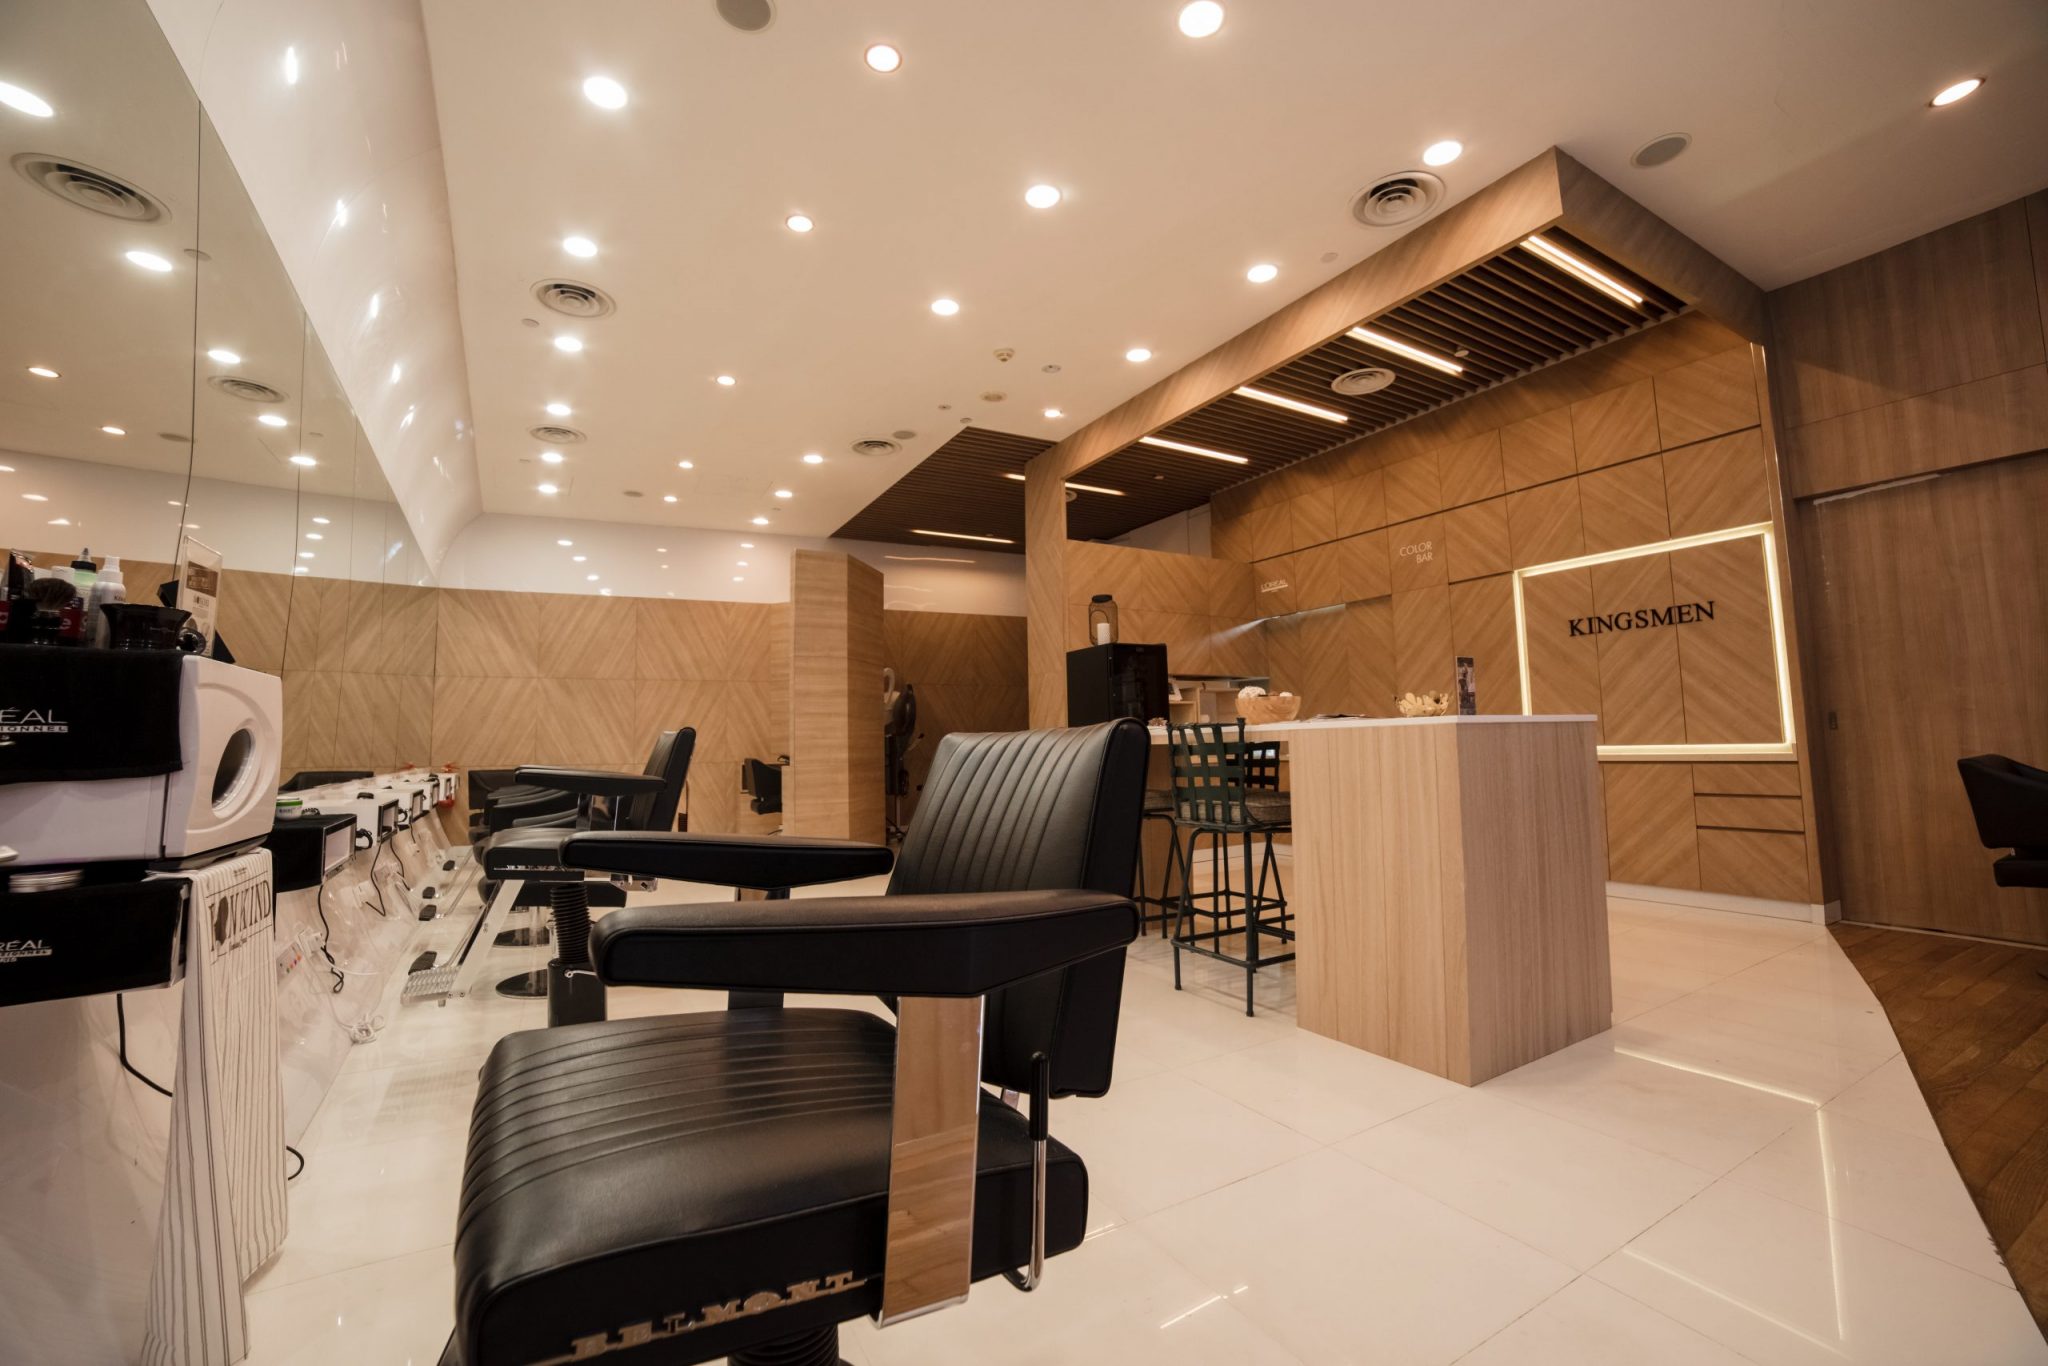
1183,533
520,554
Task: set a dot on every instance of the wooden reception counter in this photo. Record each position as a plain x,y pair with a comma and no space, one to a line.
1448,885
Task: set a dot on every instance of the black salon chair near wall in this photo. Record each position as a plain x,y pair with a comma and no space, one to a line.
2010,801
515,863
740,1182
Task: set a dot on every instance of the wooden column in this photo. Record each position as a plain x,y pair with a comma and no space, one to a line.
834,784
1045,589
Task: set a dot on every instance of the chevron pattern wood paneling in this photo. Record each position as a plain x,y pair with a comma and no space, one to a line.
1641,700
1623,505
1620,424
1650,833
1483,630
1719,483
1726,665
1471,470
1538,449
1476,540
1706,398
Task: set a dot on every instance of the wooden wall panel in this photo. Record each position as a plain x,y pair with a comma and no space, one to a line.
1538,449
1483,629
1756,863
1423,653
1746,780
1617,425
1623,505
833,788
1651,838
1544,524
1564,670
1718,483
1416,554
1726,665
1986,419
1642,700
1414,488
1706,398
1470,470
1476,540
1749,813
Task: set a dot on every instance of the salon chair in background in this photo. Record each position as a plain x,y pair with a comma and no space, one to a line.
738,1183
2010,802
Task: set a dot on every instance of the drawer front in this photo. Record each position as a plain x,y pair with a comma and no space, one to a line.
1756,863
1746,780
1749,813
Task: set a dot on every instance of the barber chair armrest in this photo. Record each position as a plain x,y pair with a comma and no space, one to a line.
592,782
756,862
948,944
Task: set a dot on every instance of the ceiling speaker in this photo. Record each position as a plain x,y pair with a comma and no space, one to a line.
748,16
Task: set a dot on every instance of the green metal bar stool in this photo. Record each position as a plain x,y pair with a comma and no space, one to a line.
1213,795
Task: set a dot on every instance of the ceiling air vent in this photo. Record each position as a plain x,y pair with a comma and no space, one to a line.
875,445
574,298
1369,380
555,436
1657,151
78,184
748,16
1395,199
247,390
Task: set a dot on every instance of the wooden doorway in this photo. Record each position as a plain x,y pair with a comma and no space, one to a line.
1931,627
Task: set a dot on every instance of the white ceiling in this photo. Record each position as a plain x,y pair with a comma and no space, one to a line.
1183,162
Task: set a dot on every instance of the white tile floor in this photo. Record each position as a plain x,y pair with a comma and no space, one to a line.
1741,1171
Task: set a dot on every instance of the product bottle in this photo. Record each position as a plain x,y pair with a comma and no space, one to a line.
107,589
83,573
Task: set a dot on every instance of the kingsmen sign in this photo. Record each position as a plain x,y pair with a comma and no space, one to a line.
1678,614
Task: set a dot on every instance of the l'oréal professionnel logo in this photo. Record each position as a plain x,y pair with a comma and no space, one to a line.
1643,618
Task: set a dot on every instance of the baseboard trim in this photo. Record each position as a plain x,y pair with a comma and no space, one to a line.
1805,912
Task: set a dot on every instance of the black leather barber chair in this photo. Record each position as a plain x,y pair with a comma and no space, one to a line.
642,802
499,801
2010,801
738,1183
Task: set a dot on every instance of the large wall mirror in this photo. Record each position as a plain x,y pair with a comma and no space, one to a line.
161,387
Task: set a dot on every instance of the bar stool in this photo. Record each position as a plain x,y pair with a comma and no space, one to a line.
1212,796
1159,807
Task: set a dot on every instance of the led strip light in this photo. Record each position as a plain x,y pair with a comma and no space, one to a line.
1401,348
1784,748
1549,251
1078,488
963,536
1291,404
1182,446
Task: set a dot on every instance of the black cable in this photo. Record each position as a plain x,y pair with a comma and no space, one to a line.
121,1042
375,890
326,933
121,1036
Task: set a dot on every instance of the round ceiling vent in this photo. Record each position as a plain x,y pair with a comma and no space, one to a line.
247,390
1369,380
574,298
1657,151
78,184
555,436
905,434
875,445
632,493
1393,199
748,16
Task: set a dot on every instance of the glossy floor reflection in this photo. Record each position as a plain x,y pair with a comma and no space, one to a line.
1741,1171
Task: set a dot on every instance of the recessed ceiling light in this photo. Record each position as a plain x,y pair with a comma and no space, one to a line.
590,578
558,410
376,304
291,66
1263,273
315,536
740,563
43,372
551,457
1186,449
148,260
1442,153
1201,18
963,536
799,222
579,246
565,542
813,458
739,578
1293,404
668,497
784,493
320,521
304,462
686,464
661,550
881,57
1583,270
604,92
1401,348
550,489
1042,196
60,521
274,419
27,102
760,521
945,308
568,344
397,372
306,555
727,381
35,497
578,559
1138,355
112,430
746,545
340,214
223,356
300,569
1960,90
1054,412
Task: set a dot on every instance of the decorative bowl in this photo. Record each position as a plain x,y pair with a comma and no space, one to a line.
1259,711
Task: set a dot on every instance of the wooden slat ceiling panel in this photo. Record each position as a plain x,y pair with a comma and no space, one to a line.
1500,319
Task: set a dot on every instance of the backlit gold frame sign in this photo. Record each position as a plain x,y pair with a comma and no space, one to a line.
1779,748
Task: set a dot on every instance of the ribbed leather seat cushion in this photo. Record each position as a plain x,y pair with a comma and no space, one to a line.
633,1171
